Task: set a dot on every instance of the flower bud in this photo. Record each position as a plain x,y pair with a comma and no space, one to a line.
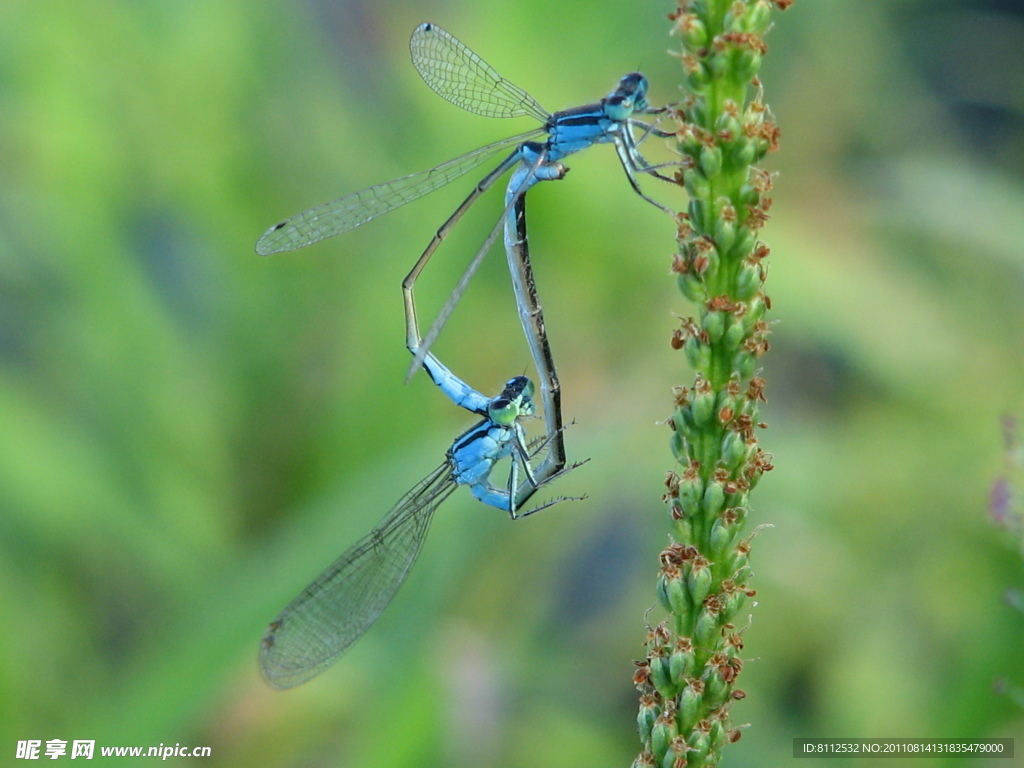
646,716
662,732
725,232
738,497
682,418
748,195
718,64
693,32
727,405
681,660
723,532
757,308
706,628
696,183
759,17
735,333
744,363
713,323
698,581
678,446
716,690
760,149
699,744
696,209
698,354
755,477
688,141
728,124
745,65
711,161
691,490
749,280
693,287
734,601
718,735
690,699
696,76
712,258
735,18
744,154
713,500
698,111
703,403
684,529
734,449
661,589
675,756
661,679
678,598
739,557
746,238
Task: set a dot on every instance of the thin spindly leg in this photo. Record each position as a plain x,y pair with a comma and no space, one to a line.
633,162
637,161
652,128
530,486
527,489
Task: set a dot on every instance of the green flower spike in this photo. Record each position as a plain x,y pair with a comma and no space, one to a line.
688,681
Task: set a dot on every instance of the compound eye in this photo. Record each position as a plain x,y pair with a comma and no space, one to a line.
503,411
528,389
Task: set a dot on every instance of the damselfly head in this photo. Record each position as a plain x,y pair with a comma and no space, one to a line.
634,85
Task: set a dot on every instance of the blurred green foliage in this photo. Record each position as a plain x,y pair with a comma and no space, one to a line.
191,432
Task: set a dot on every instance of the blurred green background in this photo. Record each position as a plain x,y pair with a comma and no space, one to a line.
192,432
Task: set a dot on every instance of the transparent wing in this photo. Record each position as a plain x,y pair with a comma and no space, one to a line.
457,74
350,211
336,609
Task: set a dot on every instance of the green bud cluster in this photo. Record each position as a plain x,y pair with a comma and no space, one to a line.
688,680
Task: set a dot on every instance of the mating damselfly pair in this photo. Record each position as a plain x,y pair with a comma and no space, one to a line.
341,604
